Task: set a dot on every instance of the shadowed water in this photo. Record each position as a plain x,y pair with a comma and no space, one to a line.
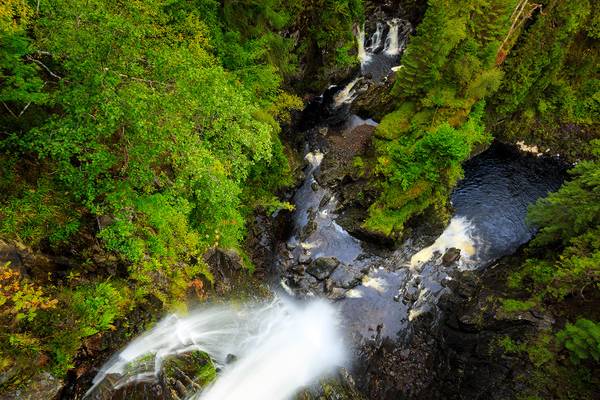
495,193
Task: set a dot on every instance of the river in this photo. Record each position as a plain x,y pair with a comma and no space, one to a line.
335,292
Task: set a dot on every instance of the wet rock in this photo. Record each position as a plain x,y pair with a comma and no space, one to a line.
328,285
451,256
411,293
230,358
375,101
223,259
263,230
304,258
10,254
311,225
295,281
314,186
325,200
42,386
27,261
180,376
323,267
336,294
346,278
298,269
340,387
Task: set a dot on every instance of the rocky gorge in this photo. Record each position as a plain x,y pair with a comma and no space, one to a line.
339,304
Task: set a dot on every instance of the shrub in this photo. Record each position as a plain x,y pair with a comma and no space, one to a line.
582,340
19,298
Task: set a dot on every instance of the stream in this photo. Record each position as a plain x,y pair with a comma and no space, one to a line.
335,292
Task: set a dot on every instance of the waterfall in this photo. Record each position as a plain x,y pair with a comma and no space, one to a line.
363,56
376,38
347,94
458,234
392,42
280,348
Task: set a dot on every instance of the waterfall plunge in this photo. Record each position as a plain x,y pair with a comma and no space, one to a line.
392,41
280,347
347,94
458,234
363,56
376,38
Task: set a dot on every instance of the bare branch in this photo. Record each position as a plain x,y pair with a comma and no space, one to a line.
38,62
24,109
9,110
518,17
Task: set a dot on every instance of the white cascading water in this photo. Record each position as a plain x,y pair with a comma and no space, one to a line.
363,56
347,94
280,347
392,41
458,234
376,38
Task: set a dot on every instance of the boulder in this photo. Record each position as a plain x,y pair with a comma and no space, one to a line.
43,386
323,267
451,256
346,278
181,375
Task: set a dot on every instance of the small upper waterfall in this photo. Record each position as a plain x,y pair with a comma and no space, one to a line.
363,56
380,54
392,41
376,38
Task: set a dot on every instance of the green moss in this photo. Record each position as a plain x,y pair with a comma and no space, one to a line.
396,123
512,305
509,345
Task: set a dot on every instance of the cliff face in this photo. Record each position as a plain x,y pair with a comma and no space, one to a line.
549,93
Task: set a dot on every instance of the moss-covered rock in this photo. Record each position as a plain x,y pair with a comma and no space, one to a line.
340,387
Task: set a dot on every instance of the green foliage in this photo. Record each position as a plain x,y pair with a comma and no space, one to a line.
512,305
140,134
550,93
397,122
20,82
154,135
574,209
563,280
420,166
568,222
38,212
97,307
441,30
19,298
582,340
447,68
85,310
326,44
528,72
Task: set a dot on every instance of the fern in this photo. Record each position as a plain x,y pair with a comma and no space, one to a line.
582,340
